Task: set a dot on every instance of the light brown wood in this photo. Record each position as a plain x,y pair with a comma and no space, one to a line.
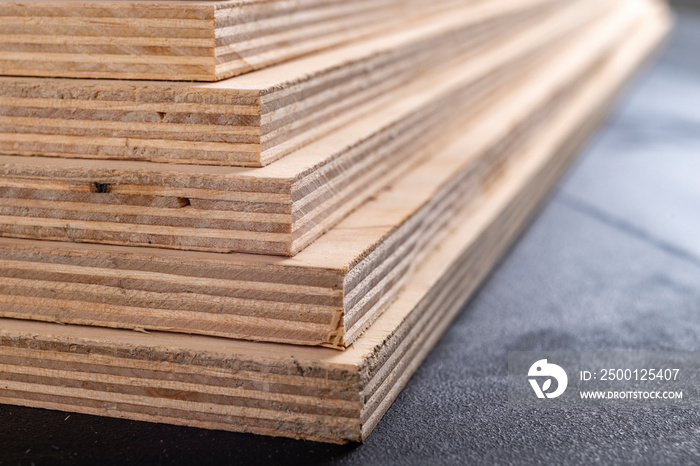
185,40
279,209
328,294
255,119
284,390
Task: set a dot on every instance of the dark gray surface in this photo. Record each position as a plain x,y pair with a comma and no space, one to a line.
612,262
686,3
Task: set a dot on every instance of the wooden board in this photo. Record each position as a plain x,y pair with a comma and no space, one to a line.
279,209
284,390
250,120
328,294
185,40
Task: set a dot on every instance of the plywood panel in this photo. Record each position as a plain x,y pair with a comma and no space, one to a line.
186,40
250,120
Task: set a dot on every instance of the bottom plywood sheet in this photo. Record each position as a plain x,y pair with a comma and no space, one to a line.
294,391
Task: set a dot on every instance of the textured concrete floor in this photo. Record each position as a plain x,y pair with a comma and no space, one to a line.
611,262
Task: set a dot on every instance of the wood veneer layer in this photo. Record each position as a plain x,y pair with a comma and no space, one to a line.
186,40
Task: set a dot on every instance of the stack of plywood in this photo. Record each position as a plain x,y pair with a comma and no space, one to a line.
275,252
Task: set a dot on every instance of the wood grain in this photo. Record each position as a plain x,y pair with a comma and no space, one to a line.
250,120
311,393
279,209
186,40
329,293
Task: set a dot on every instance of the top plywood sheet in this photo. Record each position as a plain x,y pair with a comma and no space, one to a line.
185,40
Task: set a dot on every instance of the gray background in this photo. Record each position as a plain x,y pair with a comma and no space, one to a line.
611,262
686,3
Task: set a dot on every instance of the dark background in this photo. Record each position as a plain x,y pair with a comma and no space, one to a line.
611,262
695,4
